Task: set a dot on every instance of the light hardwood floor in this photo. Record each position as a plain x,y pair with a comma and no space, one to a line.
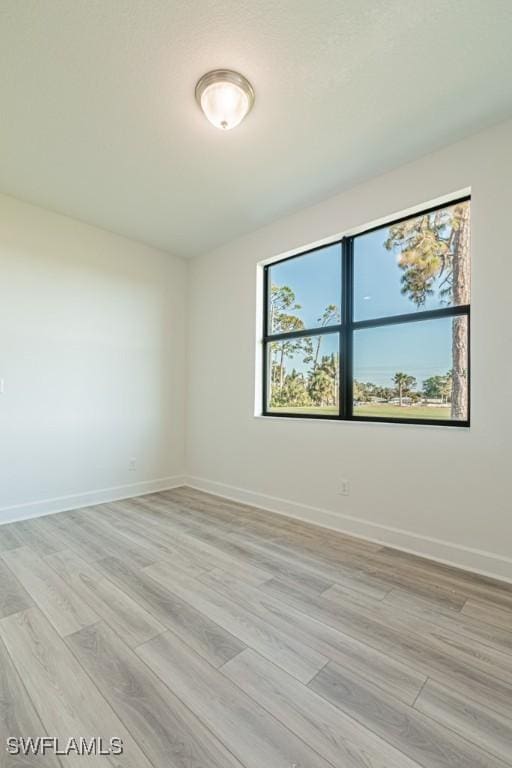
208,634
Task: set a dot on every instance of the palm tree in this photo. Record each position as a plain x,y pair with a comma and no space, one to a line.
331,316
403,383
433,252
282,319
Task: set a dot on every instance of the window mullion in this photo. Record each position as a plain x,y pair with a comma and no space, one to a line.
319,331
349,402
413,317
264,362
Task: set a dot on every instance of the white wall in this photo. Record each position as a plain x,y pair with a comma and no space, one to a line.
436,490
92,330
93,353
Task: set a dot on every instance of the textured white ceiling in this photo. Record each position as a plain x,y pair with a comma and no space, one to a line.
98,118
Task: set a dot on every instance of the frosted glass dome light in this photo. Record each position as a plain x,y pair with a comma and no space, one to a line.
225,97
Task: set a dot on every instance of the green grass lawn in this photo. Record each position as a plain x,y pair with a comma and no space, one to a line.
379,409
321,411
403,412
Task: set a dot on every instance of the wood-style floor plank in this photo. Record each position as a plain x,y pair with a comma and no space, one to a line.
18,717
442,601
298,548
392,675
490,730
447,577
273,525
156,544
13,597
408,730
186,545
249,731
299,660
339,738
489,614
158,538
169,733
66,700
61,604
408,599
131,622
68,532
9,537
190,626
236,547
397,637
471,628
93,543
36,535
113,542
205,636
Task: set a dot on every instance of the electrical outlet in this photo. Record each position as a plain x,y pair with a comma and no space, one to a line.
344,489
132,465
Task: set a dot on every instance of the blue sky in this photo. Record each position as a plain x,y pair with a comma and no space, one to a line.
315,279
377,280
419,349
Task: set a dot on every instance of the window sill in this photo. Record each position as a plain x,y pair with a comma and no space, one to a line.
287,419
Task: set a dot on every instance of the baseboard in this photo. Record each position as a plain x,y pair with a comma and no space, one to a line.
87,499
467,558
446,552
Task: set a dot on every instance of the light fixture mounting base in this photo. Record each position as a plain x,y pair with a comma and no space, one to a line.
224,76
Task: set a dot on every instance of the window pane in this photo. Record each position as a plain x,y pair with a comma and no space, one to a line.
421,263
305,292
412,371
303,375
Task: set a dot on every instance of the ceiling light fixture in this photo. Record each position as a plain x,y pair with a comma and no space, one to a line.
225,97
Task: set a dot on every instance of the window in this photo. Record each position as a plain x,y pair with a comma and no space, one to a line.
374,327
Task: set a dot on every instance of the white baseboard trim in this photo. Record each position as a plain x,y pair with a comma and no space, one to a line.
87,499
446,552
